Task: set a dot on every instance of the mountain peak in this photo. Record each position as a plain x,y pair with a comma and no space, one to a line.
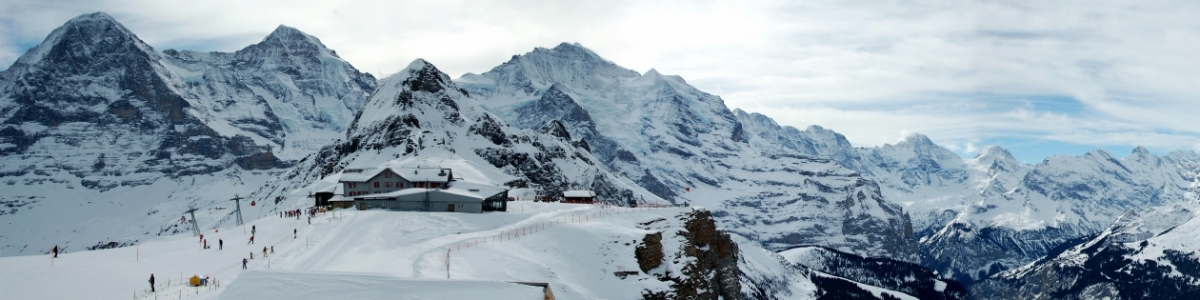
916,140
103,24
92,17
573,47
84,36
1140,151
420,75
995,152
291,34
569,51
286,32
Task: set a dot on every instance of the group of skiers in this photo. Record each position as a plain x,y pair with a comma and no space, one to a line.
291,213
221,243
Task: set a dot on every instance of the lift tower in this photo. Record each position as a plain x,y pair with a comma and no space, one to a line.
195,226
238,207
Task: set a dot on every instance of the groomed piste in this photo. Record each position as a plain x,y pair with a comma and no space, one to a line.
368,254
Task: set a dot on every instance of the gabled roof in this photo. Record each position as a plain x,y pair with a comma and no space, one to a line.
358,175
423,174
579,194
410,174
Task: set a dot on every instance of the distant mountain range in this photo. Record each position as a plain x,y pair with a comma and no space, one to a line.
95,113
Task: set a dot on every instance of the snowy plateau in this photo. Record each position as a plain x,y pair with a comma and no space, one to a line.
105,142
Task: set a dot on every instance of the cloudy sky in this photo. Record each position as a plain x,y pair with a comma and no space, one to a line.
1036,77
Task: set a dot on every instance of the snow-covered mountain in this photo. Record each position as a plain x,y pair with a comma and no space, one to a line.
420,113
686,146
974,216
288,91
94,120
1145,254
979,216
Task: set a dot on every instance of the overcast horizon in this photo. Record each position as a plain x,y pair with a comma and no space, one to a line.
1035,78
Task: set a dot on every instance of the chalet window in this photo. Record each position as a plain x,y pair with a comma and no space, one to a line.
352,185
388,184
376,184
434,185
387,174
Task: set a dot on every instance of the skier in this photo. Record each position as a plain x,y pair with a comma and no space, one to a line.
54,250
220,244
252,229
251,240
205,242
151,282
244,261
264,251
272,249
293,233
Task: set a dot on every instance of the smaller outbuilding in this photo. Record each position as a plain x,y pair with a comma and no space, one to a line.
579,196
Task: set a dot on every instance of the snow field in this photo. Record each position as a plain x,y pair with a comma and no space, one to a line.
576,250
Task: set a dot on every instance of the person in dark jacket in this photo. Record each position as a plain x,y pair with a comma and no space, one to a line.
220,244
151,282
244,261
54,250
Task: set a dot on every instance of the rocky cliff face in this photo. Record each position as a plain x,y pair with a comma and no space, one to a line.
706,258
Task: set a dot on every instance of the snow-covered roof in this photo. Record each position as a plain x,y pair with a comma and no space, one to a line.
578,194
323,186
256,285
358,175
422,174
340,198
482,190
410,174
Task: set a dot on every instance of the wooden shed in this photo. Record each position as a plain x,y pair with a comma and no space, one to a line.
579,196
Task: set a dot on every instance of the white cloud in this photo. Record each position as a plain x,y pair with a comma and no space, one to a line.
957,71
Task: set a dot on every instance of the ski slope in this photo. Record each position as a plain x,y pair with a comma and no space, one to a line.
575,248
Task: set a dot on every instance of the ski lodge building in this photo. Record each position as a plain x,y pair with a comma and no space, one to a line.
413,189
579,196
